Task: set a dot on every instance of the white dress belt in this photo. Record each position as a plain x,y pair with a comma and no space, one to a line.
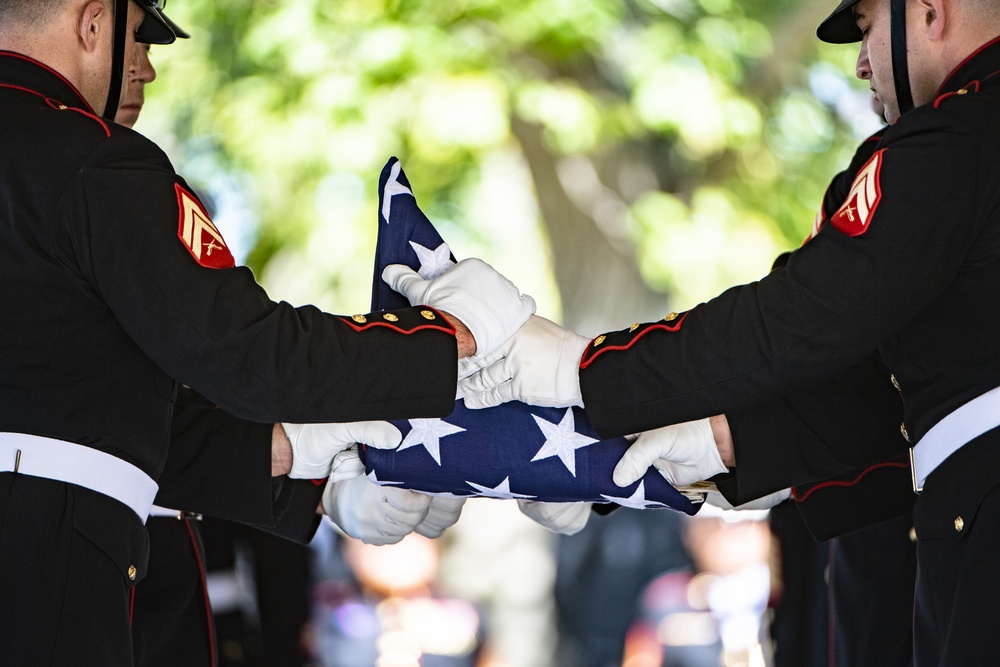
69,462
960,427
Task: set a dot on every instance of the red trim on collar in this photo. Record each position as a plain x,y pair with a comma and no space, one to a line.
585,361
59,106
962,64
973,85
24,90
12,54
844,483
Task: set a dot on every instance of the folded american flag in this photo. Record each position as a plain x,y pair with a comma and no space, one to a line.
510,451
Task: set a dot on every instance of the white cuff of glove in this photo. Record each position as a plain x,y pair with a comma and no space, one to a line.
716,499
683,453
562,518
486,302
540,366
315,445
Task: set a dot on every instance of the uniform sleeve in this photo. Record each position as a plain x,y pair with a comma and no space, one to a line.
220,466
216,330
840,296
815,433
857,499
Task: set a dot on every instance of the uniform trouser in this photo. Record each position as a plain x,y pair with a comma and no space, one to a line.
171,616
957,519
871,579
65,558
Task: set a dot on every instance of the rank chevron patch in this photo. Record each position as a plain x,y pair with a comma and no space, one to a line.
854,215
199,234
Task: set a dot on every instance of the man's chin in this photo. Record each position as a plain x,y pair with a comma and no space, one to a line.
127,115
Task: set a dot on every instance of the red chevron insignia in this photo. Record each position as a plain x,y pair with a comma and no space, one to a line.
199,234
855,214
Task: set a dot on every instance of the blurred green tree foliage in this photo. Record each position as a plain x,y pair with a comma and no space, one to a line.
654,147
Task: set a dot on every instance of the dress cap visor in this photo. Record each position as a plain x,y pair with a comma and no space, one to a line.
840,26
156,28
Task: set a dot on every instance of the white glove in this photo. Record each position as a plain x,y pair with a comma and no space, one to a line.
541,367
562,518
346,465
683,453
373,513
315,445
767,502
442,514
486,302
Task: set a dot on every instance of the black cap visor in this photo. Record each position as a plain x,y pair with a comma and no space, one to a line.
179,31
156,28
840,26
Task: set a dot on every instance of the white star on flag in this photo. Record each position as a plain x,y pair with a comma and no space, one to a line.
501,490
636,501
428,432
561,440
372,477
432,262
392,188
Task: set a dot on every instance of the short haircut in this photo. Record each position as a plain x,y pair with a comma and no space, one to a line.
987,9
26,12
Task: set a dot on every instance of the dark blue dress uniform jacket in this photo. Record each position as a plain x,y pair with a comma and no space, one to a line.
105,312
919,279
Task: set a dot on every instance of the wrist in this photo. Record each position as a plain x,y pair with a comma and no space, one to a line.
723,440
281,452
463,337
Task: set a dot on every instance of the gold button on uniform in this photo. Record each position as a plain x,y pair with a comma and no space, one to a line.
428,315
671,317
959,524
389,317
963,91
895,382
131,572
633,327
599,340
360,319
906,434
913,534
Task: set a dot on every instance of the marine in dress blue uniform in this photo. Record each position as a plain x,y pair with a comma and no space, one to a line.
117,288
910,263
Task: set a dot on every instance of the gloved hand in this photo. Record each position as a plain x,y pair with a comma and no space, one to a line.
315,445
443,512
683,453
767,502
541,366
373,513
562,518
346,465
486,302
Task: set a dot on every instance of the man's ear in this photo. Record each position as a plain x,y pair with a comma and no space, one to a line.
93,20
933,17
